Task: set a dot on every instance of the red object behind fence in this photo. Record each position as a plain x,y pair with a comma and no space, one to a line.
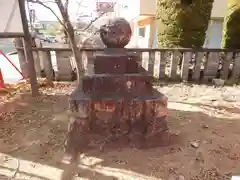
12,64
2,85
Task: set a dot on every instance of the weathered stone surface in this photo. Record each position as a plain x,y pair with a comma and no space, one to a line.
139,118
116,33
129,84
116,63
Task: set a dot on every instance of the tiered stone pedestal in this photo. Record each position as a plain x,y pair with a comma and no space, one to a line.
117,100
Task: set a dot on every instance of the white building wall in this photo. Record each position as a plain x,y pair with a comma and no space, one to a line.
219,9
148,7
130,9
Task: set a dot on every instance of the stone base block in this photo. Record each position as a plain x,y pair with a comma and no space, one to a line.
111,118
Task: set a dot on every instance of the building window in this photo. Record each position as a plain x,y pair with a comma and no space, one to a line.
141,31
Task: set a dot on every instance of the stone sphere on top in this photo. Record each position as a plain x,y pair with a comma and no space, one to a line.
116,33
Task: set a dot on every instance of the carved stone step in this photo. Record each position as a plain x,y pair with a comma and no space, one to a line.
138,84
117,64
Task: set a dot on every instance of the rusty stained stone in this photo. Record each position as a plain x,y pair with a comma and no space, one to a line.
116,33
116,64
121,84
157,111
140,118
135,117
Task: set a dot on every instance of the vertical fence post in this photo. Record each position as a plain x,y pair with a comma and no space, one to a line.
162,65
211,65
18,42
198,65
227,60
45,58
64,66
37,44
236,66
187,56
145,60
151,63
174,64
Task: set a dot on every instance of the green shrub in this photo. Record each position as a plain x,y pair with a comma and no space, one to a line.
183,23
231,31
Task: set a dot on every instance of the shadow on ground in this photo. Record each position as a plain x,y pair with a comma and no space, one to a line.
33,131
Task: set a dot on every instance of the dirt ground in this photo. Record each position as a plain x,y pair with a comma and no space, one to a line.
205,120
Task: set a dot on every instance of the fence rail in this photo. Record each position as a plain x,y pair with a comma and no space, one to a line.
198,65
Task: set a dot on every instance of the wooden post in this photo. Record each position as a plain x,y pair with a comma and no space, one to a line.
28,49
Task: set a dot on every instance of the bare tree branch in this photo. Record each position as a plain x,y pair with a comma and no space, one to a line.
50,9
66,5
78,7
95,19
63,12
48,1
61,8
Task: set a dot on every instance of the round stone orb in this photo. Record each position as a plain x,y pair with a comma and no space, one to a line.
116,33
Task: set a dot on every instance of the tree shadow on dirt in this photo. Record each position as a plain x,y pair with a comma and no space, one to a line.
35,130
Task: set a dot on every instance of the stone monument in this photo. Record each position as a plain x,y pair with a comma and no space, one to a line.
118,99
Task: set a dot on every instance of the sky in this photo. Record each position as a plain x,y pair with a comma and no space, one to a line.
87,7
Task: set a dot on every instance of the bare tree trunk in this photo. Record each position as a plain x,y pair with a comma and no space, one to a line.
28,48
65,37
70,31
78,59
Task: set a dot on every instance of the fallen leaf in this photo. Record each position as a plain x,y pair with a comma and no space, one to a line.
195,144
181,177
205,126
